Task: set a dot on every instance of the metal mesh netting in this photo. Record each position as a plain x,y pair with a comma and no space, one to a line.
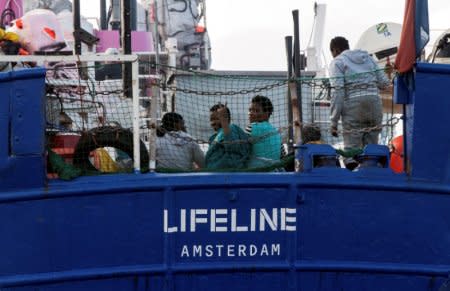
89,117
219,121
199,98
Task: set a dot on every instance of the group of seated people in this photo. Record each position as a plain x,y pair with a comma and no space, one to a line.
257,147
230,147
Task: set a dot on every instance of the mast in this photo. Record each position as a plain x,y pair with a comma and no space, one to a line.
297,72
103,17
288,44
76,26
126,46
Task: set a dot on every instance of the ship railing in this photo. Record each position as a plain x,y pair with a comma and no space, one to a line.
76,84
95,100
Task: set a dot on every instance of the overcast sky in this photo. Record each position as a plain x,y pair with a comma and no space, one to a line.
249,34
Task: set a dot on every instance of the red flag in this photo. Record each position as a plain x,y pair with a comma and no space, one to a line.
415,34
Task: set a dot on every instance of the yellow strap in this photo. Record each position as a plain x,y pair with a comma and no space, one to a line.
106,163
11,36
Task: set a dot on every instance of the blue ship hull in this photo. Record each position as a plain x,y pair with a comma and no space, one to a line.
323,229
352,232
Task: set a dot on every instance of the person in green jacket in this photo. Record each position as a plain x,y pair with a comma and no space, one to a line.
266,140
229,147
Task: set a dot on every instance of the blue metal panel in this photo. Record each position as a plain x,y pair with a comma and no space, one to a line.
241,244
401,91
109,233
135,283
331,281
354,226
430,155
23,172
88,232
5,89
27,112
22,117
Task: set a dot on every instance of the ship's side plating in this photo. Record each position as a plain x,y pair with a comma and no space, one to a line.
326,229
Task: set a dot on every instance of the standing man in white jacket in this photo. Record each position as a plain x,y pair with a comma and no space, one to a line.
355,80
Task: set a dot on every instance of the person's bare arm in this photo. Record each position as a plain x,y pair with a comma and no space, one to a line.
224,119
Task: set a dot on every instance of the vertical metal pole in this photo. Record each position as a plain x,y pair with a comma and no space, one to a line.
406,162
205,39
133,14
297,70
136,118
155,89
154,21
126,26
76,26
126,46
130,85
103,20
171,46
288,44
116,16
153,123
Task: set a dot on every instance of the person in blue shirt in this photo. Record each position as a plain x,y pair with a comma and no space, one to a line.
265,138
229,147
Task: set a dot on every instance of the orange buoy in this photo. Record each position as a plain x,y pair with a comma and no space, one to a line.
397,154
